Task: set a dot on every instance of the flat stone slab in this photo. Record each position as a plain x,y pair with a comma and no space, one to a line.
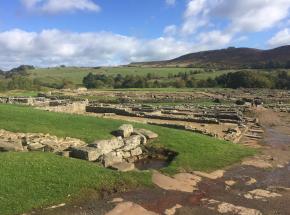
261,194
227,208
147,133
129,208
214,175
123,167
179,183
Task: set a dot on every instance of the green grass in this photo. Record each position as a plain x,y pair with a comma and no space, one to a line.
33,180
19,93
54,177
76,75
195,151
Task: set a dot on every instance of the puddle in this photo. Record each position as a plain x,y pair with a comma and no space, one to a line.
277,137
158,158
279,176
151,163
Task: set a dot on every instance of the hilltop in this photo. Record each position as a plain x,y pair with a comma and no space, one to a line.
230,58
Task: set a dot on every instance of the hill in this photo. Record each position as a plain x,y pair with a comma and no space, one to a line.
230,58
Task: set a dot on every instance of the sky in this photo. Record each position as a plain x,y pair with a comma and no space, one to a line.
49,33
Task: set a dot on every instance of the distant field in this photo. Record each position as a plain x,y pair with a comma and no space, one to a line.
76,75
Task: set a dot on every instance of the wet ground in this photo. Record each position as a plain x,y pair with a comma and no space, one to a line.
151,163
260,185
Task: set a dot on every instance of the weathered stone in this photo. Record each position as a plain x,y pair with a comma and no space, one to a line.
123,167
125,130
35,147
64,153
86,153
136,152
143,138
111,158
10,146
148,134
131,142
107,146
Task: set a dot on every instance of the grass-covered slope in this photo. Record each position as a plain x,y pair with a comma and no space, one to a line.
76,75
195,151
33,179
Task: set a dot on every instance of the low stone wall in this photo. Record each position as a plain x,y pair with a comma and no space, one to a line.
200,115
127,147
10,141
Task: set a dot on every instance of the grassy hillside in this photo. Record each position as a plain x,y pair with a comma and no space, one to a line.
76,75
41,179
237,58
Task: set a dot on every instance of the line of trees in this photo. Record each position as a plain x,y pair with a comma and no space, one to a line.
251,79
180,80
239,79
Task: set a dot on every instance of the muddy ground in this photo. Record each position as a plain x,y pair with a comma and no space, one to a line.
259,185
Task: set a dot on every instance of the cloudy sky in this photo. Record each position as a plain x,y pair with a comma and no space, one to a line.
111,32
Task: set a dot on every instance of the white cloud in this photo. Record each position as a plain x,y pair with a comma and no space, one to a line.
195,7
54,47
57,6
170,30
252,15
241,16
194,16
214,39
170,2
280,38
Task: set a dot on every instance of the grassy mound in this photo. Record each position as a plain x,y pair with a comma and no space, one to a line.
54,177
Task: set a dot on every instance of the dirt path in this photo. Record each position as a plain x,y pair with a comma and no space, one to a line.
259,185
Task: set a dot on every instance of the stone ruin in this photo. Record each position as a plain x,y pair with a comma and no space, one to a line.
49,103
191,117
214,115
24,142
119,152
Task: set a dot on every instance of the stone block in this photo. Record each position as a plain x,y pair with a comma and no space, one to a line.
107,146
123,167
86,153
136,152
125,130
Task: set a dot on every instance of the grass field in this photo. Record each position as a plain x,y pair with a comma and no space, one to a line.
33,180
76,75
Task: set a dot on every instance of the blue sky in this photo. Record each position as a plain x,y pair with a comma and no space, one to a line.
112,32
